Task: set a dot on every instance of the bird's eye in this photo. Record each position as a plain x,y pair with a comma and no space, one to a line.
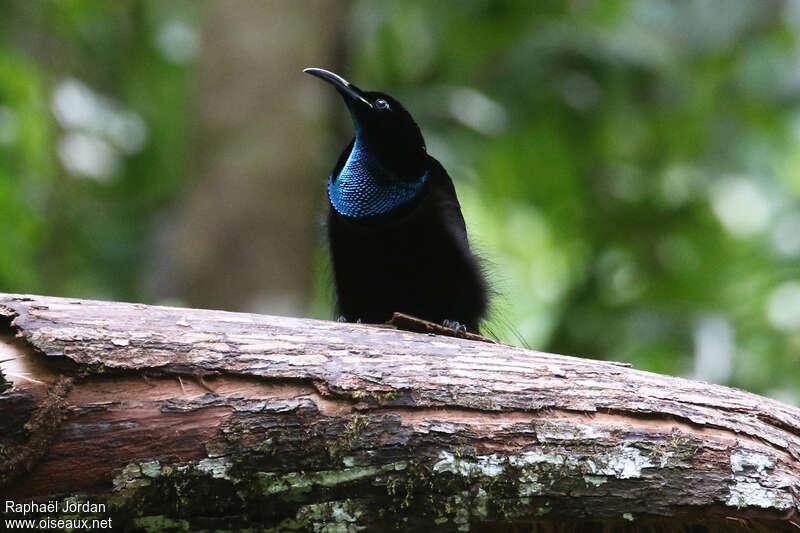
380,103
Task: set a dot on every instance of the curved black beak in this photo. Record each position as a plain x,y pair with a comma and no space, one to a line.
341,84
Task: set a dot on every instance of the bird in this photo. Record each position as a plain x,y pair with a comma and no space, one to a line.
396,234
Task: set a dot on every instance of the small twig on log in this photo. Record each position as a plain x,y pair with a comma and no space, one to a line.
418,325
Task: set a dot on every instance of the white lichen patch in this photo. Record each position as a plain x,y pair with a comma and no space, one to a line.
495,465
129,478
342,513
595,481
216,467
150,469
753,494
539,456
624,462
480,465
742,460
753,485
532,468
332,517
529,484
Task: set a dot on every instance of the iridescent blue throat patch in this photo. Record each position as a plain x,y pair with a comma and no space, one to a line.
362,188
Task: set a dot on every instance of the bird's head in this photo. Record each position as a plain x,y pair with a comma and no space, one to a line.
381,124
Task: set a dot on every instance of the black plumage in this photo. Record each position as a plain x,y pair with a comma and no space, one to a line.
397,237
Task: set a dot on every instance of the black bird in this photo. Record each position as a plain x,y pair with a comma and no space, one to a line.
396,233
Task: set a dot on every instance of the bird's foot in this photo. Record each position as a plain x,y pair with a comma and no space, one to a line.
342,318
454,325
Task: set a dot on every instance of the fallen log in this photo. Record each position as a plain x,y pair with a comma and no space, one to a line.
186,419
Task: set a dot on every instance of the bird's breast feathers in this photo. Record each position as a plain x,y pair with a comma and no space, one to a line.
364,189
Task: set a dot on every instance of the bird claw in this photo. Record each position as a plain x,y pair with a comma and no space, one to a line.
454,325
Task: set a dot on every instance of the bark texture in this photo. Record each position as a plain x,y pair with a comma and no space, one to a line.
192,419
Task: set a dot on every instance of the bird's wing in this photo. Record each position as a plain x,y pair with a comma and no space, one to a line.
449,207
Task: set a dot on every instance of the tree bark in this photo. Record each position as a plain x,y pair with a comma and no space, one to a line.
243,236
194,419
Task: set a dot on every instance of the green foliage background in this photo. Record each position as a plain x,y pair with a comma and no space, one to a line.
62,235
630,169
